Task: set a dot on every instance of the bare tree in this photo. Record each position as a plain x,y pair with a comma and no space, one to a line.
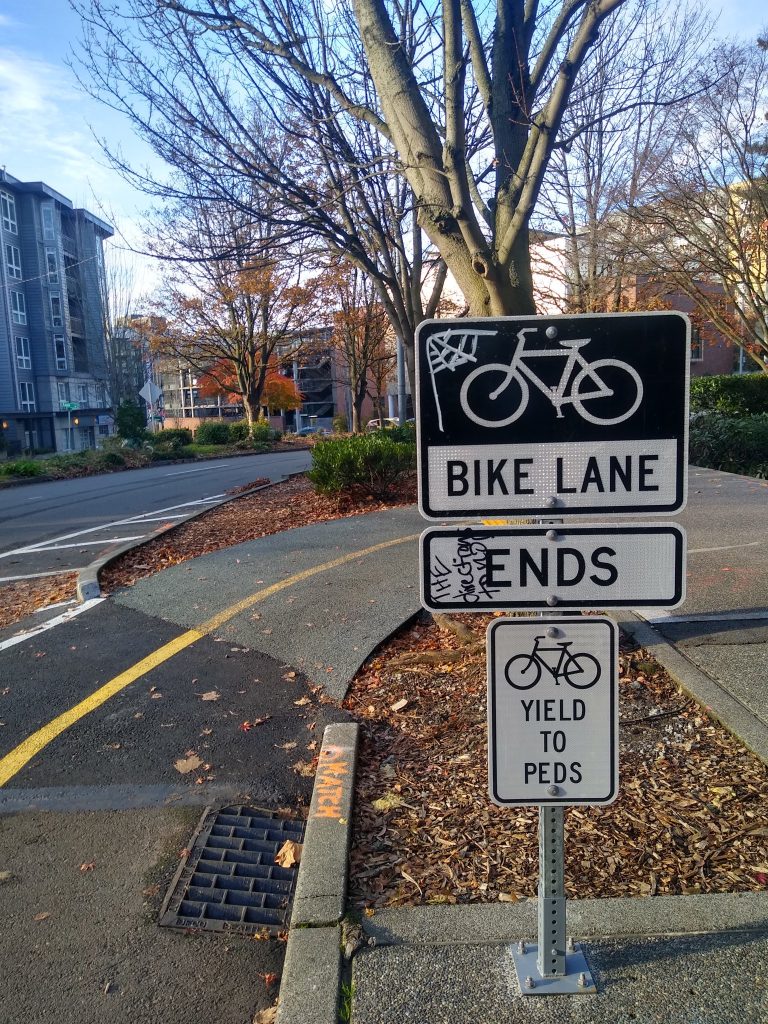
607,168
705,227
206,106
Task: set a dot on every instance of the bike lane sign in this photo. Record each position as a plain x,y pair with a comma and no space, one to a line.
553,719
571,415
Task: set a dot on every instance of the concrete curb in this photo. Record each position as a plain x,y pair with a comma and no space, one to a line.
633,917
310,989
88,578
717,700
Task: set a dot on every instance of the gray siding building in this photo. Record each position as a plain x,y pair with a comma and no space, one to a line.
53,359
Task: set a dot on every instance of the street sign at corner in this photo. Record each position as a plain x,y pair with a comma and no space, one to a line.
553,718
548,416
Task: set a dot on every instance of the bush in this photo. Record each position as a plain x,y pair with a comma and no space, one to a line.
24,467
339,424
730,444
173,437
212,432
130,421
373,462
744,395
239,431
111,459
261,432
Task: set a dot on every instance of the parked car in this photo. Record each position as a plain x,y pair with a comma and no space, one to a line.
306,431
381,424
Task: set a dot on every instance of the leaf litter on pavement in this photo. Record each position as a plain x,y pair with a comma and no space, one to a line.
692,815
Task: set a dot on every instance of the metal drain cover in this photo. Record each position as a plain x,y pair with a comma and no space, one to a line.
229,880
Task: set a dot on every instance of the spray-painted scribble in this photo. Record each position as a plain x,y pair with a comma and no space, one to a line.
463,577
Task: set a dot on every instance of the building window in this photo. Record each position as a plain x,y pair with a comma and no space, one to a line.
8,211
26,396
18,308
56,318
82,394
52,266
697,345
63,387
23,355
13,260
60,351
48,224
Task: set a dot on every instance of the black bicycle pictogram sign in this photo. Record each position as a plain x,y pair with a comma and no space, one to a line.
580,670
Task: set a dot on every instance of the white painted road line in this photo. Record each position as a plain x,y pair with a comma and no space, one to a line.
57,621
43,546
660,615
35,575
727,547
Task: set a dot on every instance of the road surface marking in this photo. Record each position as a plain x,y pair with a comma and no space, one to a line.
14,761
45,545
37,550
36,575
57,621
727,547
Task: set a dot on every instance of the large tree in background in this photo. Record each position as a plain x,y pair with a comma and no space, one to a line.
362,334
236,129
235,298
705,227
604,170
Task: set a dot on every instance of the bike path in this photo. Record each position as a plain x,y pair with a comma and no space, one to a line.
327,622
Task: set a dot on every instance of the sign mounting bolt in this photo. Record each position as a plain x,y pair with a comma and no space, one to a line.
529,982
552,535
553,631
553,790
551,332
551,501
583,980
551,600
521,948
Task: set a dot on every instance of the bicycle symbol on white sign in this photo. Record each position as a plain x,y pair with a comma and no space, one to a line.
582,383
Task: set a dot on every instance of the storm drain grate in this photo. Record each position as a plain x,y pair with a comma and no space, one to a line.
229,880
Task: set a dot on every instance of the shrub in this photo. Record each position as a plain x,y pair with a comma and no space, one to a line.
24,467
744,395
339,424
111,459
374,462
730,444
173,437
130,421
261,432
239,431
212,432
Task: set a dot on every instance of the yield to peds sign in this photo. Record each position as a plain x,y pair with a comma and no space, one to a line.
540,415
553,711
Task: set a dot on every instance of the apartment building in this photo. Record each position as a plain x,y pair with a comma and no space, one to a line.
53,359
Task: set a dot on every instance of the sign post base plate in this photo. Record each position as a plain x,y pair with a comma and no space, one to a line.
576,981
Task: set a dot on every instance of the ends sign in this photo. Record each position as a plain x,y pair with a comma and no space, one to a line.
547,415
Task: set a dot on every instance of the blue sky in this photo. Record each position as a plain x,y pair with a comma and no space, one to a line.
45,118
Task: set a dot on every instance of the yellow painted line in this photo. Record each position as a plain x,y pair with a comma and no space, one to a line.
13,762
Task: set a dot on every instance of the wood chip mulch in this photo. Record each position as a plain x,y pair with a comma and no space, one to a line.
692,815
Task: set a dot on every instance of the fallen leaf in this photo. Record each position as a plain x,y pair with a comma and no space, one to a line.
508,897
268,1016
269,978
289,676
87,865
302,701
210,695
42,916
5,876
399,705
388,802
304,769
288,854
187,764
286,746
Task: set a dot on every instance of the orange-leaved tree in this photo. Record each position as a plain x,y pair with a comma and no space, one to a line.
279,391
236,299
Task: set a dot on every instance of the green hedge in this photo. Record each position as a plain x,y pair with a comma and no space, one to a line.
734,395
734,445
212,432
374,462
23,467
173,437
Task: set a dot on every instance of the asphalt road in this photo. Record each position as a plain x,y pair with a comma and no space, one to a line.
66,524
